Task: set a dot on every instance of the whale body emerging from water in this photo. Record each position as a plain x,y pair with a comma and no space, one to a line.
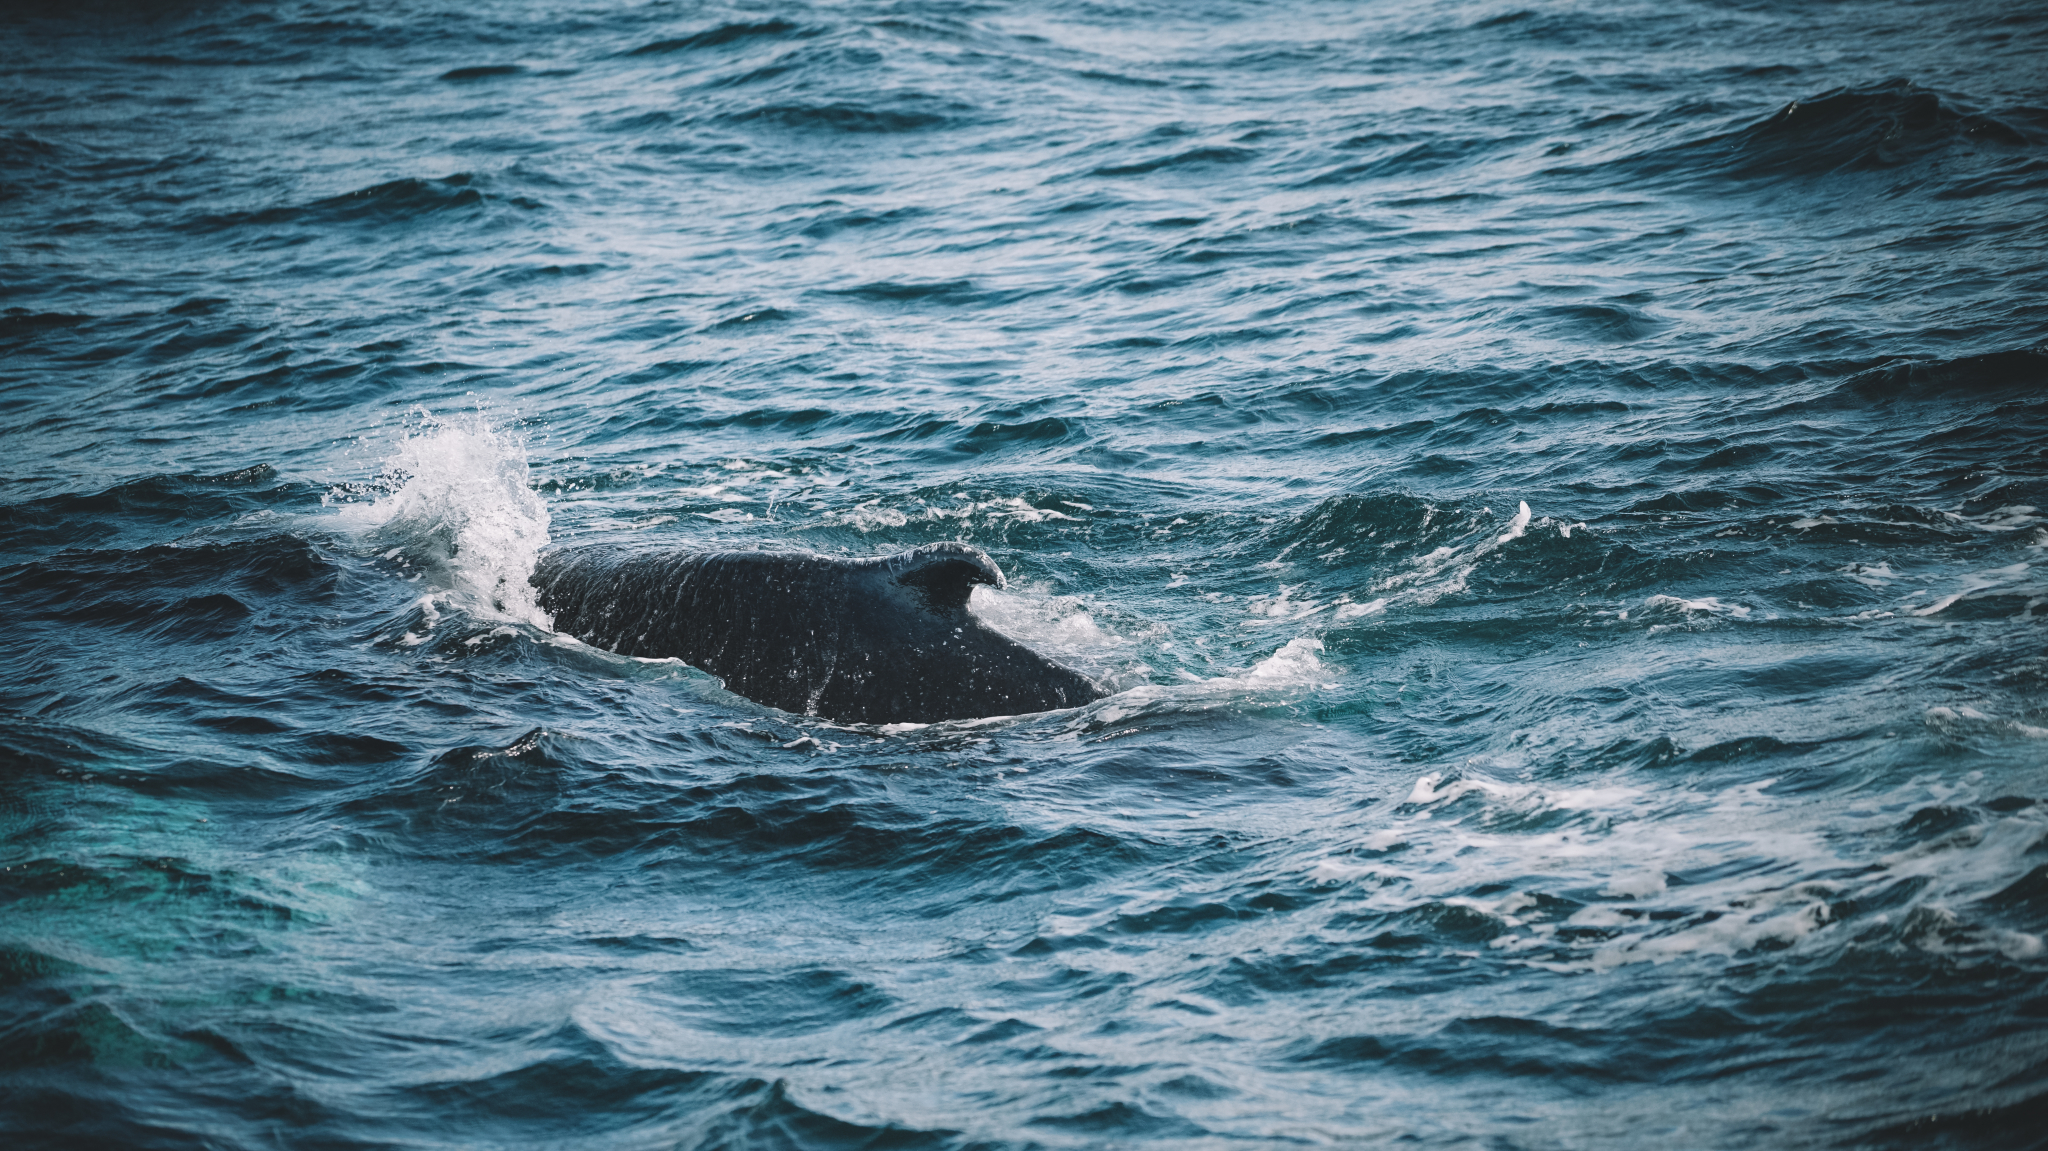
882,640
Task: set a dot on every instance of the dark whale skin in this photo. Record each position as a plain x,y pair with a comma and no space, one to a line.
882,640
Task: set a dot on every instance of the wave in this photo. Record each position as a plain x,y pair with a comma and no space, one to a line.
1607,323
2020,373
1842,131
908,113
20,326
549,795
1201,157
25,156
725,34
1418,540
193,593
409,200
900,291
1881,126
481,72
145,505
1396,161
1577,634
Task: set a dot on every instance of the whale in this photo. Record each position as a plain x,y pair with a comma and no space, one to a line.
878,640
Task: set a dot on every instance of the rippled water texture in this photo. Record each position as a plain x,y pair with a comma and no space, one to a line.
1557,490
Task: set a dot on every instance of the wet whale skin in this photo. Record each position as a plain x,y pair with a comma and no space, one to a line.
881,640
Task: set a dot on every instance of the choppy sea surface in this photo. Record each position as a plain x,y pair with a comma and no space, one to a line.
1557,488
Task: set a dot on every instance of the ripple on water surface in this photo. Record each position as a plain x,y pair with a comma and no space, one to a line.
1557,498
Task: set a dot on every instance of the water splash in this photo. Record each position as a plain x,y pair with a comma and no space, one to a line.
454,505
1443,571
1056,626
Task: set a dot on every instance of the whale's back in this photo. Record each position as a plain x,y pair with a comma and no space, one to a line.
886,640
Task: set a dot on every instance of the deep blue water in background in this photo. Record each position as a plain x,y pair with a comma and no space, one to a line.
1558,487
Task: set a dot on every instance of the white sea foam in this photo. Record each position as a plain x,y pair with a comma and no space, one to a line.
1709,604
1423,580
1434,788
2012,517
2012,578
1294,667
1963,715
1355,610
1056,625
1760,873
453,504
870,516
1444,571
1689,614
1294,663
996,512
1516,526
1871,575
1281,606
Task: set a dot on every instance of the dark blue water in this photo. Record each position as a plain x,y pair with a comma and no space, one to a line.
1557,488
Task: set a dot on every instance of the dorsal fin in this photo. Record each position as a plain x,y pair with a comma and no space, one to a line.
944,575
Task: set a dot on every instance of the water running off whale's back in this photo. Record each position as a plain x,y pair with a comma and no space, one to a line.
882,640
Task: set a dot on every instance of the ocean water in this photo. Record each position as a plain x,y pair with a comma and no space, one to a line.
1557,489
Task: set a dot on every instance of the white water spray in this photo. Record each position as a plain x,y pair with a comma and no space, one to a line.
457,507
